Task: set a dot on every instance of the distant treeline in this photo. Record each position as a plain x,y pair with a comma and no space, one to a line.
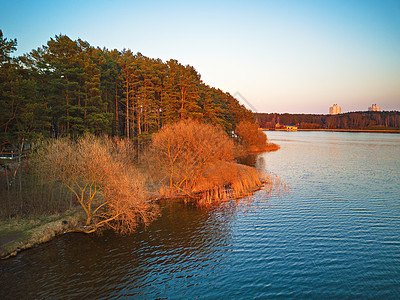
351,120
68,87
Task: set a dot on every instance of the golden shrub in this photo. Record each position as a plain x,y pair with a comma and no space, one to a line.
100,172
194,159
250,136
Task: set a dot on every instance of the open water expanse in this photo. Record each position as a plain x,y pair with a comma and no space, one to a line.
336,234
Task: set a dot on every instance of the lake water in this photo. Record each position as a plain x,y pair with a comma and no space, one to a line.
336,234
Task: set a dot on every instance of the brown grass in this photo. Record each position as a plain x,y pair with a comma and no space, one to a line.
22,234
268,147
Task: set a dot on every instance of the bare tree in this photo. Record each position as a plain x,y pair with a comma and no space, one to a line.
253,139
189,156
101,175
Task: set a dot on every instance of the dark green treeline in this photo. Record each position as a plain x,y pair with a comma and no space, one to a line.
352,120
68,87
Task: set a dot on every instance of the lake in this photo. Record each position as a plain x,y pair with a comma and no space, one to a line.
335,234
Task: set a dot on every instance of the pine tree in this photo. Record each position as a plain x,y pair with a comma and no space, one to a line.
126,62
23,115
181,92
209,107
76,88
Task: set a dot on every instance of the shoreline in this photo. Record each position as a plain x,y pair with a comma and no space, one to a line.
20,234
339,130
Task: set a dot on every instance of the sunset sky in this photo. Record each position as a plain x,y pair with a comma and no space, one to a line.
282,56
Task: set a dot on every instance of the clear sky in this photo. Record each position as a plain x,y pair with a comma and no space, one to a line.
297,56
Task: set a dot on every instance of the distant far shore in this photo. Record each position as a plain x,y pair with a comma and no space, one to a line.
340,130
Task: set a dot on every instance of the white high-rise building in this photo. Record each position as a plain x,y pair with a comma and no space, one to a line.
335,109
374,108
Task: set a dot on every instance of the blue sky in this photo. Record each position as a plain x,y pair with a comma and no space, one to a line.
281,55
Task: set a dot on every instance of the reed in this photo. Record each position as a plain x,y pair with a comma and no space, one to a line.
267,147
227,180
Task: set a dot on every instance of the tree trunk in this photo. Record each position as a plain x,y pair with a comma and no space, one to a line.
127,107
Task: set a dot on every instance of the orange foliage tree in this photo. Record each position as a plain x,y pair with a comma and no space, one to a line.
185,150
101,175
253,139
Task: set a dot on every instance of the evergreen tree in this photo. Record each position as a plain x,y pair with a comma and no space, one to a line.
126,62
181,92
69,87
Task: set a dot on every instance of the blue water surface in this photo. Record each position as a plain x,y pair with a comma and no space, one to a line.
334,232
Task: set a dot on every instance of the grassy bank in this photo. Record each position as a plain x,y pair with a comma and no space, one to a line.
24,233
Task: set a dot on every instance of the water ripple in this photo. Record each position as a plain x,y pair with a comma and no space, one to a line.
335,235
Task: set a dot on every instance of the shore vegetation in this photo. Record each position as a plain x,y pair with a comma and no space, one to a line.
252,138
197,160
100,174
95,137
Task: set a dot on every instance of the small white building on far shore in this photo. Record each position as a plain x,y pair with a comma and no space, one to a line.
335,109
374,107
